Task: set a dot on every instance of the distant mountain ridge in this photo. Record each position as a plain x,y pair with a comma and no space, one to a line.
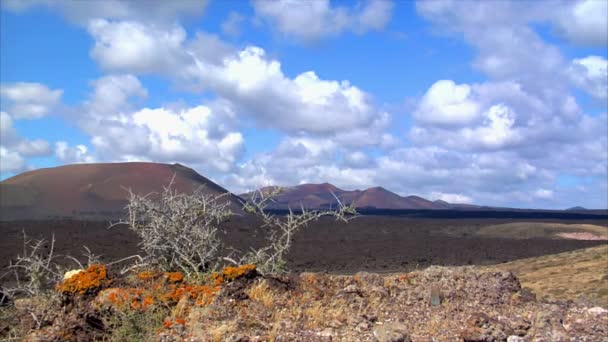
98,191
322,196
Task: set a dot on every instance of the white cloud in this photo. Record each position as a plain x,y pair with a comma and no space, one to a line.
543,194
446,103
14,149
111,94
209,48
357,159
257,86
508,48
451,198
591,74
71,155
375,15
80,12
29,100
496,131
203,136
136,47
8,135
11,161
34,148
584,22
231,26
313,20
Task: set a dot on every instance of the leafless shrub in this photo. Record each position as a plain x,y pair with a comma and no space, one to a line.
35,270
178,230
281,230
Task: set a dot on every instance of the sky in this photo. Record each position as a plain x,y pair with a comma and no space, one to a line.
486,102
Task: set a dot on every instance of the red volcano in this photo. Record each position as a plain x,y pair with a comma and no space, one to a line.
317,196
93,190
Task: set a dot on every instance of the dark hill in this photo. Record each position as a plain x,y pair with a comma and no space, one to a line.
93,191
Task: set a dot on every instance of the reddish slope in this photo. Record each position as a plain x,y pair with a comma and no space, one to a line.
92,190
307,195
316,196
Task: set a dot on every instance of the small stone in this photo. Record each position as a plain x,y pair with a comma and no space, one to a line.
379,290
352,289
597,311
238,338
335,323
326,335
363,326
482,328
514,338
391,332
69,274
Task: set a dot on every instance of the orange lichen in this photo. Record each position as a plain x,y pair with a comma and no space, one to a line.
147,301
169,289
174,277
88,281
231,273
146,275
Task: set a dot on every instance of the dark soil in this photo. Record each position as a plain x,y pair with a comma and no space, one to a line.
369,243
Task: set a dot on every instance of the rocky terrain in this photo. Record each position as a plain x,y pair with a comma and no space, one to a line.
435,304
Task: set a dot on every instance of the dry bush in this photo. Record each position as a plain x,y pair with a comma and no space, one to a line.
34,271
178,231
281,230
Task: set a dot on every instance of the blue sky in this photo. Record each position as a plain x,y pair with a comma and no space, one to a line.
496,103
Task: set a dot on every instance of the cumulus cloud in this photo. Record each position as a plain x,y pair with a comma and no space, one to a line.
71,155
81,12
232,25
591,74
111,94
543,194
254,83
29,100
358,159
11,161
136,47
14,149
258,86
446,103
584,22
508,48
201,135
452,198
314,20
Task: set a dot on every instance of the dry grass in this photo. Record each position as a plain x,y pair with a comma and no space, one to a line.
262,293
529,230
570,275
